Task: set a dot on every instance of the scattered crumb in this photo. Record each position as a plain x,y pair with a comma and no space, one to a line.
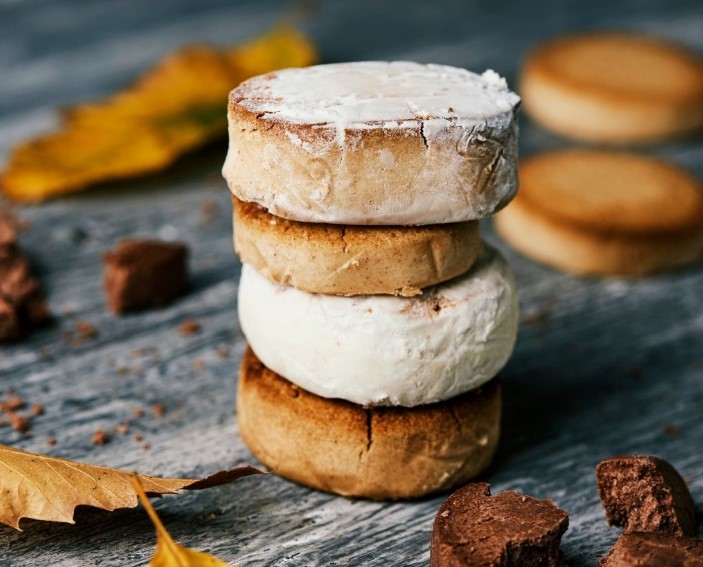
100,437
208,212
37,409
138,438
12,403
85,329
18,422
198,364
123,428
159,410
223,352
145,447
538,315
188,327
138,413
138,352
671,430
51,441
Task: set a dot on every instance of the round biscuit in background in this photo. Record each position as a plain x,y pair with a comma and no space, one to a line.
378,453
353,260
614,87
605,213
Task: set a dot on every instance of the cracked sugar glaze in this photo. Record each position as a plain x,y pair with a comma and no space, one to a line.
377,94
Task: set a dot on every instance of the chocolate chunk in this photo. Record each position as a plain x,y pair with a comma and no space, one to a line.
22,304
475,529
142,274
645,494
639,549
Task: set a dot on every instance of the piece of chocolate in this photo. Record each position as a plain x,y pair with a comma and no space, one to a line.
638,549
22,304
143,274
645,494
475,529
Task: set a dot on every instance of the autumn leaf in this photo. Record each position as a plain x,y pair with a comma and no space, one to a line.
168,552
48,488
175,107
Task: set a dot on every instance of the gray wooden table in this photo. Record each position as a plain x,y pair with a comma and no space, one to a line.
601,366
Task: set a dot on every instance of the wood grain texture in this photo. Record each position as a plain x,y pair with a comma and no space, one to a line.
601,366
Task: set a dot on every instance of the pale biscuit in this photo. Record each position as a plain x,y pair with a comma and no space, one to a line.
374,143
383,454
353,260
595,212
614,87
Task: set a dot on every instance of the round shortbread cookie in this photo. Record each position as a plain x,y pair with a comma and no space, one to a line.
381,350
353,260
379,453
596,212
614,87
374,143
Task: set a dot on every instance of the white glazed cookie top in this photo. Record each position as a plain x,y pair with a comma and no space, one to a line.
375,94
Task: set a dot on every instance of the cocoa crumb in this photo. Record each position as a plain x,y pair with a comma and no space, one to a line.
159,410
138,413
18,422
51,441
85,329
671,430
37,409
223,352
11,404
188,327
145,447
123,428
198,364
100,437
208,212
138,438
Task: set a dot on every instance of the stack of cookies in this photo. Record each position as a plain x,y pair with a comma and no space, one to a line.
377,321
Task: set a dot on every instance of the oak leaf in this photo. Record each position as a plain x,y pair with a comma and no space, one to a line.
168,552
175,107
49,488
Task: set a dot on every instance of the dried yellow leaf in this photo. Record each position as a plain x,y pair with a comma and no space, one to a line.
168,552
48,488
177,106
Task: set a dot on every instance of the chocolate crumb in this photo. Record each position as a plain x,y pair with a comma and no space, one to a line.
671,430
145,447
144,274
475,529
138,437
37,409
18,422
12,403
645,494
100,437
159,410
188,327
22,304
123,428
223,352
198,365
85,329
654,550
51,441
138,413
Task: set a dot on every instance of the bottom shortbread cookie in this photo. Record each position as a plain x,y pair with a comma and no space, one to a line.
377,453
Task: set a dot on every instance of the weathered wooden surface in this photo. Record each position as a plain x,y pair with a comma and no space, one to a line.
607,365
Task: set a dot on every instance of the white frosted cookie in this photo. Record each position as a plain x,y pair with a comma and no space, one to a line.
381,350
374,143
